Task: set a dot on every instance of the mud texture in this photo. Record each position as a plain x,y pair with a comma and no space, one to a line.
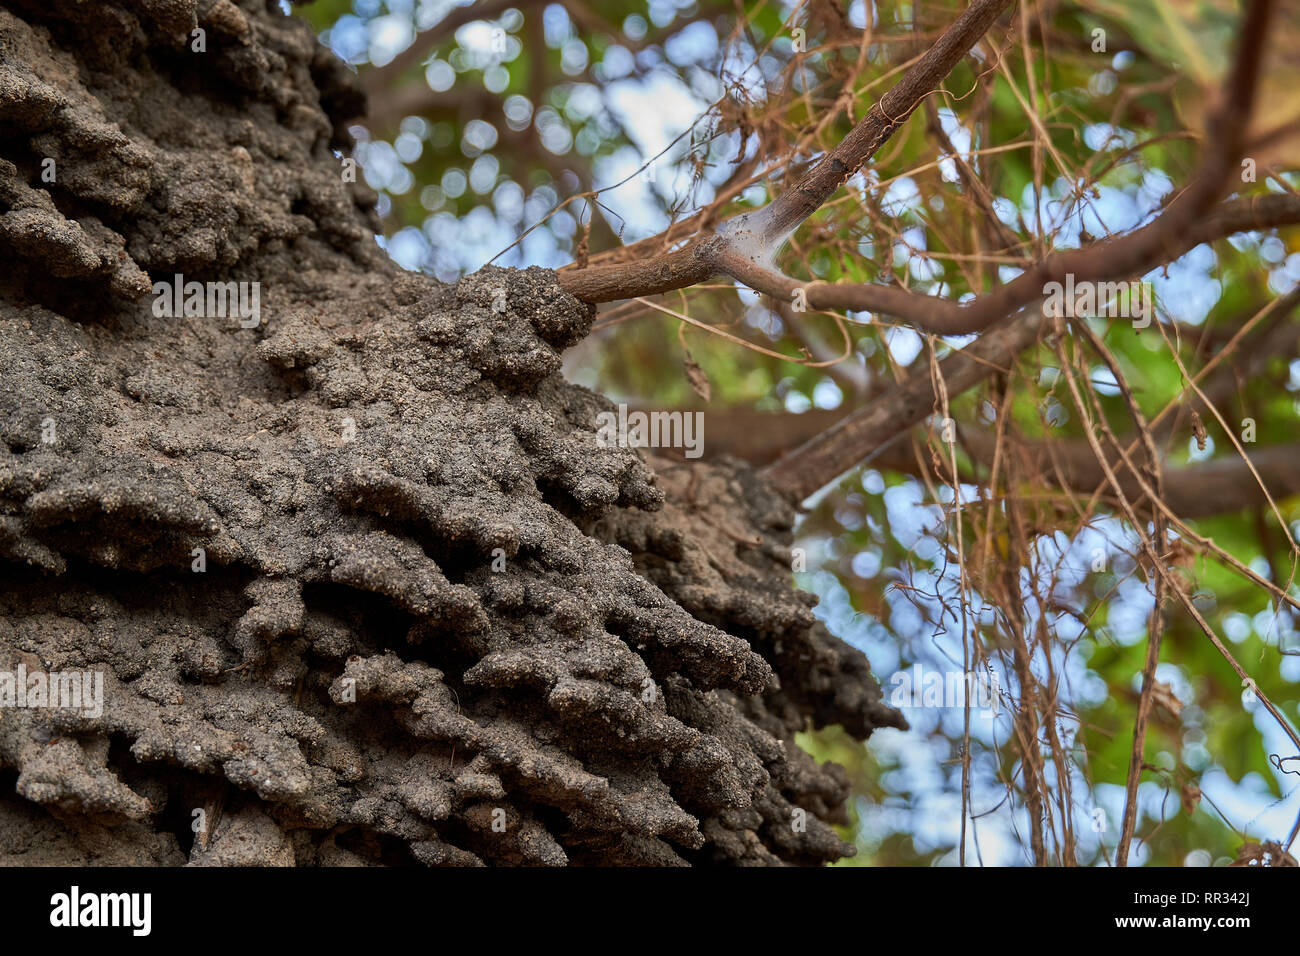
363,585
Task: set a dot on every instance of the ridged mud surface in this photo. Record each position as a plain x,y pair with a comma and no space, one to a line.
434,619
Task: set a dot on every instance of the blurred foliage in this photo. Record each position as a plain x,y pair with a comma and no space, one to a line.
659,104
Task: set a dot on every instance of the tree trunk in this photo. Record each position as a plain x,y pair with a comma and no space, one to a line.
360,581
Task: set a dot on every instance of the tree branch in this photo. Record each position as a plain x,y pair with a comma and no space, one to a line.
1219,486
787,211
822,459
1184,225
854,438
758,232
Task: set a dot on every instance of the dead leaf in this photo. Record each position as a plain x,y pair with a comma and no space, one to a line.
1181,555
1198,429
699,381
1163,694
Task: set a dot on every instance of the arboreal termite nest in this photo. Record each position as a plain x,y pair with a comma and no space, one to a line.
363,585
